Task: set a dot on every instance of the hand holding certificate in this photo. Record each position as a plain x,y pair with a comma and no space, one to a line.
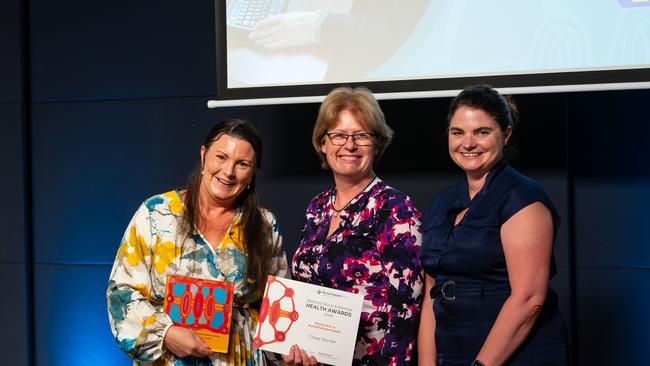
322,321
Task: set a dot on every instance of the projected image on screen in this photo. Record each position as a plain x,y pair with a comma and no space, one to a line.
302,42
318,41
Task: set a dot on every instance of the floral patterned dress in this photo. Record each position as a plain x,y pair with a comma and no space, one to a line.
150,250
373,252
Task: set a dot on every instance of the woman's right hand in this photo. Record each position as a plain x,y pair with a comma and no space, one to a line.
183,342
293,29
297,356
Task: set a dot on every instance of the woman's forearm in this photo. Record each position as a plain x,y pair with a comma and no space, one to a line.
512,326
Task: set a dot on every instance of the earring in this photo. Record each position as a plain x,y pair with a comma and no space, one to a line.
202,171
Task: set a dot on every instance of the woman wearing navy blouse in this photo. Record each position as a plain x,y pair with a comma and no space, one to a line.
487,251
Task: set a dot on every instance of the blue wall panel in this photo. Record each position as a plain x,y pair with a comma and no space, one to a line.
71,321
122,49
95,162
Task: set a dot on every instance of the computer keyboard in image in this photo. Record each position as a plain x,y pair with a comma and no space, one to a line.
246,13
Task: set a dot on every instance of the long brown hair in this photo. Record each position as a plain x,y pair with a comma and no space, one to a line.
257,232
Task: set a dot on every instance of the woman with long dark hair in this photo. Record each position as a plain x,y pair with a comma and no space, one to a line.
214,229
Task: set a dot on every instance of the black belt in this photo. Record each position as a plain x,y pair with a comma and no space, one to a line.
449,289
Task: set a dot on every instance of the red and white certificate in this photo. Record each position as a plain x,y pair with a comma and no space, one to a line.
320,320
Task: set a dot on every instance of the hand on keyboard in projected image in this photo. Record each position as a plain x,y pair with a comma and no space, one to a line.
293,29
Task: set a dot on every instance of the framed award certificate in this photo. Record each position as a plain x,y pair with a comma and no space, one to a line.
320,320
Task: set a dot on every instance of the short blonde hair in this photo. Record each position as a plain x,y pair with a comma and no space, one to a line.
360,102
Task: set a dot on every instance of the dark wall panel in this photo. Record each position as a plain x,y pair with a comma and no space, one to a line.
555,186
612,189
610,132
420,143
12,250
612,222
560,284
13,306
95,160
288,199
10,51
122,49
613,320
12,315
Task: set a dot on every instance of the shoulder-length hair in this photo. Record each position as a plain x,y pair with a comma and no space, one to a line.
360,102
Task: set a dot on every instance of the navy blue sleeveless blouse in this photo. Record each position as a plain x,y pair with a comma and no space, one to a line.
470,257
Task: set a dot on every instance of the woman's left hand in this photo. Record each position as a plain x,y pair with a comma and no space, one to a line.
298,356
183,342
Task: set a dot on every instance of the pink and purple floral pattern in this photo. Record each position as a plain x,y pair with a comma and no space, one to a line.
374,252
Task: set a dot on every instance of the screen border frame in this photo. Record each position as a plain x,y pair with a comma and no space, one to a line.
554,81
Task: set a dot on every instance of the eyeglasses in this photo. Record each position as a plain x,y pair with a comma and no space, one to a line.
360,139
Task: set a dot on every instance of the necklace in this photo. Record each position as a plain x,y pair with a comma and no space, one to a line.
338,211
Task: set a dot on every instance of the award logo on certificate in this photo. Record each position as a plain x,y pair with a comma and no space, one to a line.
203,306
320,320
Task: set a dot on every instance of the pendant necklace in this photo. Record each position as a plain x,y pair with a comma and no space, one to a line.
338,211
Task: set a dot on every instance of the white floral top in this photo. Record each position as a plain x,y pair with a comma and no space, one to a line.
151,249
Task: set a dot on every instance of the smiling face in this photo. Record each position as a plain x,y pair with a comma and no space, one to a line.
228,167
350,161
476,141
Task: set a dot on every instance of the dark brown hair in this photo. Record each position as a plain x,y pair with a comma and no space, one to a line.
502,108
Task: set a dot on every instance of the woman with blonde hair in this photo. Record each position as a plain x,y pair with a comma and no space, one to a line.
362,235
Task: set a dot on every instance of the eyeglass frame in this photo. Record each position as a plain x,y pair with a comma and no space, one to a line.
354,139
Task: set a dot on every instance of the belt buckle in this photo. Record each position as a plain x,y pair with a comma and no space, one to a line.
444,286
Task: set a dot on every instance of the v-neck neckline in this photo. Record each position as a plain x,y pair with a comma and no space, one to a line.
466,202
353,201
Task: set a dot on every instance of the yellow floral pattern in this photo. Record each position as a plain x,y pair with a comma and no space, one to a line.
175,203
142,288
233,238
148,321
164,254
133,248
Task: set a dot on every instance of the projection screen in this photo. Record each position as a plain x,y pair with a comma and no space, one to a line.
305,47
